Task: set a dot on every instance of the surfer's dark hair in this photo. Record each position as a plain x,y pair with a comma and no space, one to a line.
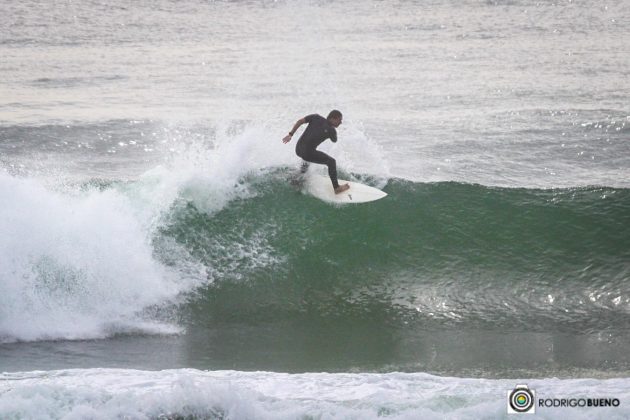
334,114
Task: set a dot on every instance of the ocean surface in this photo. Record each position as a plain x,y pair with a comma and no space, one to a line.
156,262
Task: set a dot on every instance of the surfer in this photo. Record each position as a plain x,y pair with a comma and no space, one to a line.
318,130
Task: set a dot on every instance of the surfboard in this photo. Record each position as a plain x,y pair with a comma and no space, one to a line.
320,187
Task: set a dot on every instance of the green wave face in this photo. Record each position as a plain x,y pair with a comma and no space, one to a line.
428,256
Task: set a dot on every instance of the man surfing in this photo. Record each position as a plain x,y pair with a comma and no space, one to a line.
318,130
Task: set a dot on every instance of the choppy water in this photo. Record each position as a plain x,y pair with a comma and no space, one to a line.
146,221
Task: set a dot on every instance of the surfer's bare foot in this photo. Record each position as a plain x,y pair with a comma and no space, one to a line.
342,188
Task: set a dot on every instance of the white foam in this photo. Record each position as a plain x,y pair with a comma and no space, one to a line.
74,266
359,154
120,393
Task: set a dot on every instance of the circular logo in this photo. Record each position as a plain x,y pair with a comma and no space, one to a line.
521,400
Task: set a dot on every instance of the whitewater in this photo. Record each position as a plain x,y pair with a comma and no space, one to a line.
156,262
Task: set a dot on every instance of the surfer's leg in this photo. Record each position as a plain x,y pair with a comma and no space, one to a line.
322,158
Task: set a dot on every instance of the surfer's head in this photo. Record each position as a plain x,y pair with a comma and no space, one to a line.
334,118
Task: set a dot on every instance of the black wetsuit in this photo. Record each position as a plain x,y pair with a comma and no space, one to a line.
318,130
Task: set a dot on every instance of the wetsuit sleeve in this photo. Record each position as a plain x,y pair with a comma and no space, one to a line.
309,118
333,135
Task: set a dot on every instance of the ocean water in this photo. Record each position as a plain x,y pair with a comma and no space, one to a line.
156,262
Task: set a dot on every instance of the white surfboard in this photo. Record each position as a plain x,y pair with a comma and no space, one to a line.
321,187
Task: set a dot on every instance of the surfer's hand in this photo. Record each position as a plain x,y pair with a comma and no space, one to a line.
286,139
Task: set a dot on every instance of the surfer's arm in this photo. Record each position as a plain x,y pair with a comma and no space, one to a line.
297,125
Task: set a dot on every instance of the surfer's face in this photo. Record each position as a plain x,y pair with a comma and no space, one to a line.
335,122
